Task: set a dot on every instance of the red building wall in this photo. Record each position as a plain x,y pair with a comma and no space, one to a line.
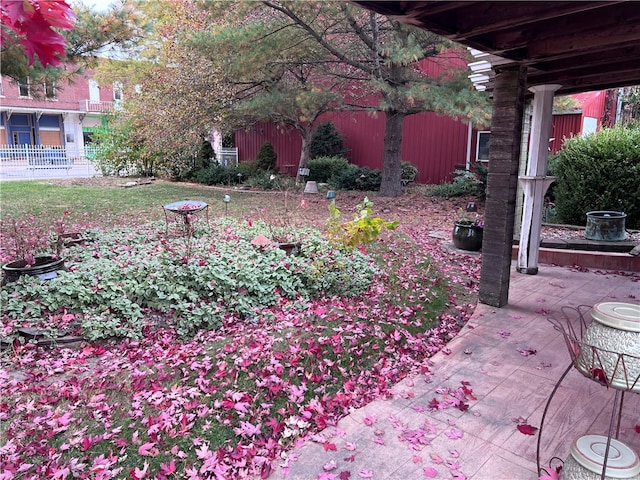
564,126
433,143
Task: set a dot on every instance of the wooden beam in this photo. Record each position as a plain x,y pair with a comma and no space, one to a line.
491,17
577,33
585,74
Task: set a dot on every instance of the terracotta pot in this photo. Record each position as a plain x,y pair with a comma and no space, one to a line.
467,237
44,267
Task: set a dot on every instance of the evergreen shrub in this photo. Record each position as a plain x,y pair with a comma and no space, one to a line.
327,142
465,182
323,168
267,157
357,178
600,171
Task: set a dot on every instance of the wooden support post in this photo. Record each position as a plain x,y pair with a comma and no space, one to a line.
502,184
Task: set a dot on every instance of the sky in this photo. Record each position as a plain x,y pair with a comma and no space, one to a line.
99,5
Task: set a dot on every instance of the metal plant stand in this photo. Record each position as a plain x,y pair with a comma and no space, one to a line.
618,370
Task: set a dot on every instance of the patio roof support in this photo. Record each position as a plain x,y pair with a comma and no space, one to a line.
536,182
502,184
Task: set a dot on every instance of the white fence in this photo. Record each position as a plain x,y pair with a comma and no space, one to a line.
20,162
228,157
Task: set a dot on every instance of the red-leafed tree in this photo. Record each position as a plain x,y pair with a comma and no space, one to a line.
39,36
31,23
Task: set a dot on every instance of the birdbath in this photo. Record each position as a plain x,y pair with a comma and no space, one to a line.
185,209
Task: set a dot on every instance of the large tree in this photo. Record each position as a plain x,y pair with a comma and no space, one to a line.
274,73
372,61
174,95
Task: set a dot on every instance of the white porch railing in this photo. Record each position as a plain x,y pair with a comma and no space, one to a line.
89,106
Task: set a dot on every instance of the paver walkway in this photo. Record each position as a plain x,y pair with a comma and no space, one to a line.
385,439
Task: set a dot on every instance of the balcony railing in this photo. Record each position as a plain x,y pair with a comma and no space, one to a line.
97,107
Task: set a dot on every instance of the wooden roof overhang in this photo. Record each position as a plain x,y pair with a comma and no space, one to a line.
583,46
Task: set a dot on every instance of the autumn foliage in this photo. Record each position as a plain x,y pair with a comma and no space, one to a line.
31,24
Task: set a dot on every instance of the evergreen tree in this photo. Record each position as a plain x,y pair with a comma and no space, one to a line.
327,142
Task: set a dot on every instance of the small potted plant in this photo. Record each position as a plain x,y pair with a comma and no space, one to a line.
467,231
31,248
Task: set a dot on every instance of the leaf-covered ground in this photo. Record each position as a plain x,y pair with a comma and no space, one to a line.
225,404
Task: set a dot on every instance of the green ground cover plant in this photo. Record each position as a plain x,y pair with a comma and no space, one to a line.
225,355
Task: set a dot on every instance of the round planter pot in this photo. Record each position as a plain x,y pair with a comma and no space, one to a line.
467,237
44,267
605,226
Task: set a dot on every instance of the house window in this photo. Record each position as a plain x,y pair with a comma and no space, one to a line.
482,147
94,91
49,89
23,88
117,91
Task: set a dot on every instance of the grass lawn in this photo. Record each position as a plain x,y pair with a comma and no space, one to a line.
225,353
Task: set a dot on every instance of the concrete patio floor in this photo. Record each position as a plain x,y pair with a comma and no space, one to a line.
385,439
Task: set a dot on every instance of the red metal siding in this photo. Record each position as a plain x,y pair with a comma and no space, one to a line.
286,143
592,104
435,144
564,126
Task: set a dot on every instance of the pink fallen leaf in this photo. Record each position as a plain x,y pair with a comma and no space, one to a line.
454,434
327,476
365,473
345,475
437,459
527,429
330,465
328,446
168,468
146,449
350,446
430,472
417,459
369,420
638,428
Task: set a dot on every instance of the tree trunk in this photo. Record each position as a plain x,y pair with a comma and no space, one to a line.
305,151
392,163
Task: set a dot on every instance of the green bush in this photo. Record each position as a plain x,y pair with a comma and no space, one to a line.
409,171
465,182
356,178
247,168
216,175
323,168
327,142
267,157
267,181
599,172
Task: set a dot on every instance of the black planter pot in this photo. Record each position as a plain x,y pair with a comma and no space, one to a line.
467,237
45,267
290,248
